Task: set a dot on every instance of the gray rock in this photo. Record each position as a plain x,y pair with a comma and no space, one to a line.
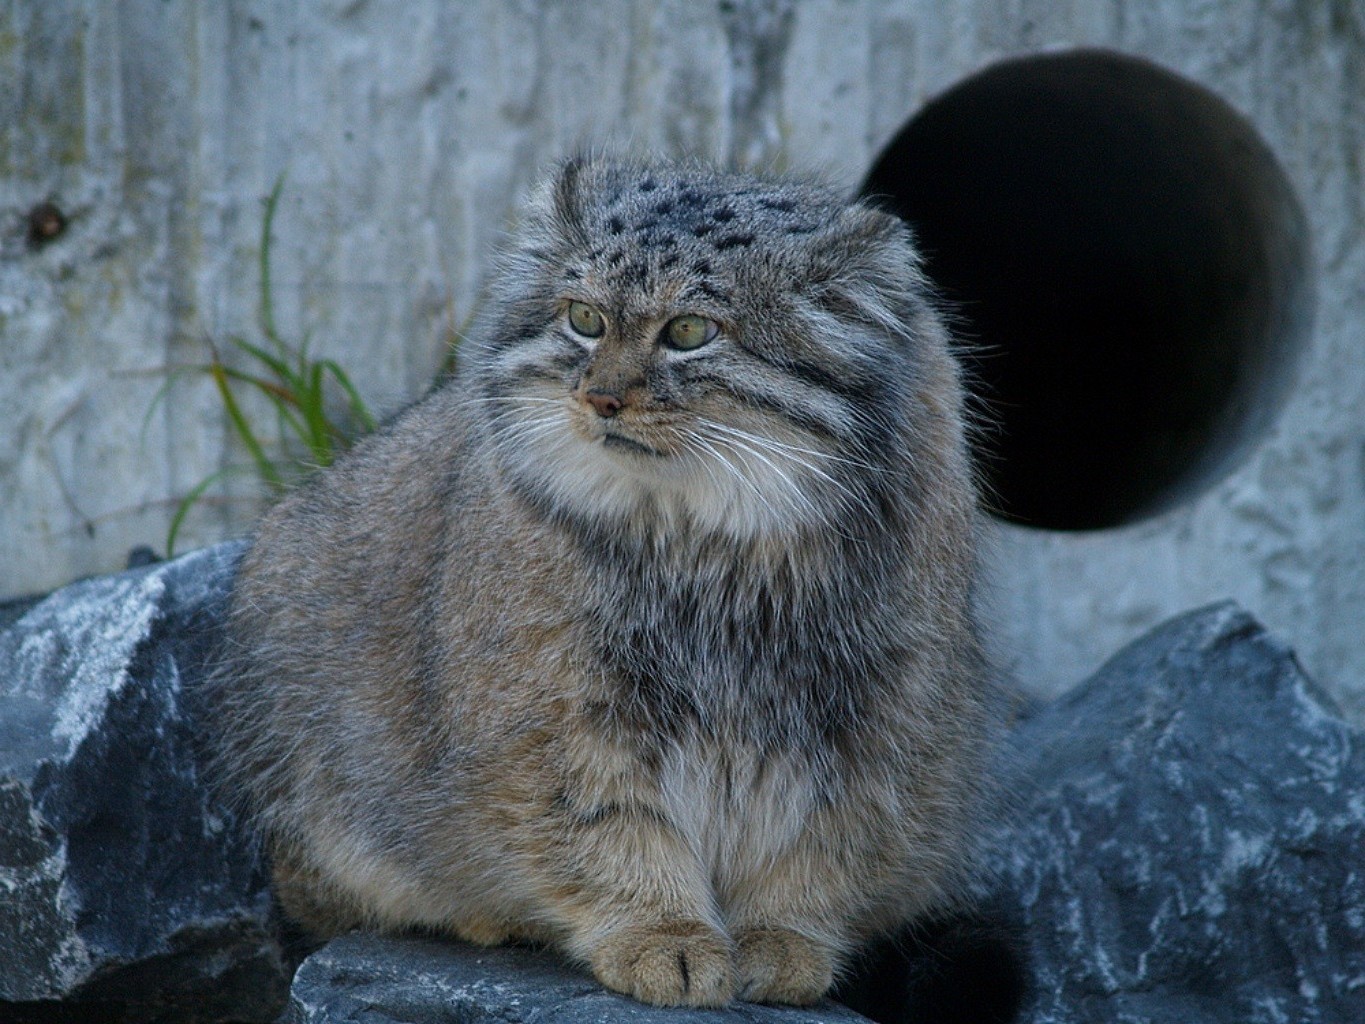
378,980
1186,844
127,892
1189,842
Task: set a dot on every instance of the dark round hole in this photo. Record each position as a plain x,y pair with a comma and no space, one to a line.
1131,273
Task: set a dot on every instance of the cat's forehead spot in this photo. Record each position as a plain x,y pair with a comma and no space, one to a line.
724,214
659,236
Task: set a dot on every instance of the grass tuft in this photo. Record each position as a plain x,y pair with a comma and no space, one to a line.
318,411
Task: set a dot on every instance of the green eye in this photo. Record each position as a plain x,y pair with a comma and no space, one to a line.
586,320
689,332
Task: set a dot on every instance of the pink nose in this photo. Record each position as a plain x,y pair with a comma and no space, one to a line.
606,404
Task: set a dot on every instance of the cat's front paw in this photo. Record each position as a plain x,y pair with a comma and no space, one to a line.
672,963
778,965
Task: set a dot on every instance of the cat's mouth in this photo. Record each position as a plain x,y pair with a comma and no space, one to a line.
620,442
614,435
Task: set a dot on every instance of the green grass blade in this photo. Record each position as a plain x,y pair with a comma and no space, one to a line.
186,503
269,388
267,307
279,367
264,466
172,375
295,385
320,429
359,409
283,400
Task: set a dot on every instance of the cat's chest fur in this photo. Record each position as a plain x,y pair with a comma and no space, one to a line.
740,807
704,640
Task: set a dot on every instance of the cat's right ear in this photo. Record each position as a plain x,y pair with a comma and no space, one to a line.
566,196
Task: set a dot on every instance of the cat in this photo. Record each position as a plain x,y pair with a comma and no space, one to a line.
648,634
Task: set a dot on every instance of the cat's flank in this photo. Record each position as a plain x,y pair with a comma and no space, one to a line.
648,634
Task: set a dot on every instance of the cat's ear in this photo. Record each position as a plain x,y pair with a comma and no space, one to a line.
865,263
863,239
567,196
555,210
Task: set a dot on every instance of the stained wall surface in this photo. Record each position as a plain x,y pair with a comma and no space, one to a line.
405,133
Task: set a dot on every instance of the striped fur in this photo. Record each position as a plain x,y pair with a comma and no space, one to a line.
691,690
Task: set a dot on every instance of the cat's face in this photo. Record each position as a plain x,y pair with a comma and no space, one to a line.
692,349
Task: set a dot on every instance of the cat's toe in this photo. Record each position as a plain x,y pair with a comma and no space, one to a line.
778,965
673,963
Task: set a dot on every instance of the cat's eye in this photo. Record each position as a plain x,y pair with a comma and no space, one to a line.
586,320
689,332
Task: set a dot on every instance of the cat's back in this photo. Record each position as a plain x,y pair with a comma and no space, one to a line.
368,582
373,516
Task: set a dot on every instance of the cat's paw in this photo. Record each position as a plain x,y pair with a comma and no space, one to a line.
483,931
778,965
673,963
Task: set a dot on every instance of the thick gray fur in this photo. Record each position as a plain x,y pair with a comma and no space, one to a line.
662,656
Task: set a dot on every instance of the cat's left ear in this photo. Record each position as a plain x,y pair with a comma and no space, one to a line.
866,262
863,239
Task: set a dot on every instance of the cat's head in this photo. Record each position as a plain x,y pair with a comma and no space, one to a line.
675,345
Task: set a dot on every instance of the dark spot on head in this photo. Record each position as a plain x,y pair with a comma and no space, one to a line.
723,215
733,240
781,205
596,254
616,259
664,208
573,275
800,229
703,229
711,292
648,185
615,226
671,260
690,198
637,276
701,267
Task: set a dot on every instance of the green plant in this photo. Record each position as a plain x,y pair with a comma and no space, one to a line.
311,426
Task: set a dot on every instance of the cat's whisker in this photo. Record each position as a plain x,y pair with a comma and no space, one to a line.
792,487
512,400
509,437
766,443
513,418
757,446
787,446
718,457
777,448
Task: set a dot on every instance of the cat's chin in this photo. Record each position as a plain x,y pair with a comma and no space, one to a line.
619,482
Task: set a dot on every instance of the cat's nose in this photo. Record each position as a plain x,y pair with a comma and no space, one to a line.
605,403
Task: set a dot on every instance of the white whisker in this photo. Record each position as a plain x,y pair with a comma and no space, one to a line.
791,487
512,400
718,457
787,446
768,450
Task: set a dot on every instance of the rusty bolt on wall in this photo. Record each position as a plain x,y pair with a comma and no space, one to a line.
45,223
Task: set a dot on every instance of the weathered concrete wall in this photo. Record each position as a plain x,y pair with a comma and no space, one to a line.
407,131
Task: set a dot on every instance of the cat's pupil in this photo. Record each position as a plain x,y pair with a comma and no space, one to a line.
691,331
586,320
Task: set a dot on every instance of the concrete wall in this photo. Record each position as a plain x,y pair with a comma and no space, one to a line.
407,132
